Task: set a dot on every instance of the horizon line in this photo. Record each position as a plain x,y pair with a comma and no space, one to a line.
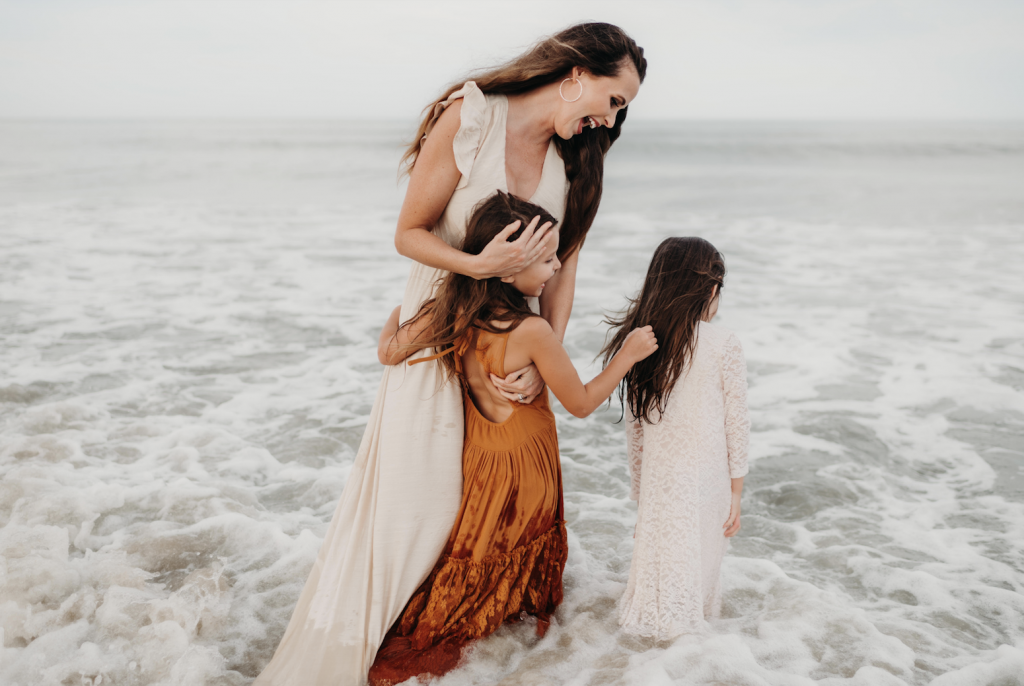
405,120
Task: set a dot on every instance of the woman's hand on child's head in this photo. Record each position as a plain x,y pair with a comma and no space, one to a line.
504,258
640,343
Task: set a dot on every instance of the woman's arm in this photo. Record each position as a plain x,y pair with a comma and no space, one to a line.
554,365
432,181
556,301
396,343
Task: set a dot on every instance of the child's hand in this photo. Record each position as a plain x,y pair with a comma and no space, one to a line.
386,342
640,344
732,525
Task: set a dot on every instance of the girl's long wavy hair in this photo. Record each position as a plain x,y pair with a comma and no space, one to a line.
676,295
600,49
462,302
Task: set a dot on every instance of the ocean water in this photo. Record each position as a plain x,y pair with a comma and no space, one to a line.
189,313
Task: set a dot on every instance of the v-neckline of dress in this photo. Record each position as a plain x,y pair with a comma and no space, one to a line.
504,165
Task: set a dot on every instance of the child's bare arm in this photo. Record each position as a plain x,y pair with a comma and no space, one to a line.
394,344
546,351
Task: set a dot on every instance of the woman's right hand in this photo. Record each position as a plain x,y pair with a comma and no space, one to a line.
639,344
503,258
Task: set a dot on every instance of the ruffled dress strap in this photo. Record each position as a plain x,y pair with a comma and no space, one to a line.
471,129
492,355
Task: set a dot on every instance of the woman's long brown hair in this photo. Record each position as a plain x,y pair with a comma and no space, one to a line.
462,302
675,297
600,49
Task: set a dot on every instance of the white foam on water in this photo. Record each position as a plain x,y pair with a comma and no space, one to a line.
187,371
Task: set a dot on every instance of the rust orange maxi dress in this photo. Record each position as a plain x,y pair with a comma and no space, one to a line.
508,547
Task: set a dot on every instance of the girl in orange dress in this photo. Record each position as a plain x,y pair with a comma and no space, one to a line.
506,552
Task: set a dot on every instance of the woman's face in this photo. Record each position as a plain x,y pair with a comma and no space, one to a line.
602,98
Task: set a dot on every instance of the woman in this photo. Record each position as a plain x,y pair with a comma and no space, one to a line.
537,127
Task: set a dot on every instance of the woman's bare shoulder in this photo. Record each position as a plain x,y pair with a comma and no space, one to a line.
447,125
436,163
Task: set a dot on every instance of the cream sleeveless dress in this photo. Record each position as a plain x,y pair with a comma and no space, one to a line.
401,499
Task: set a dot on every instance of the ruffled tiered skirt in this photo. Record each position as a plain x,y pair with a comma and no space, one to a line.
505,555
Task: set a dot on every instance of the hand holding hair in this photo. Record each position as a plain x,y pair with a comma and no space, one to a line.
639,344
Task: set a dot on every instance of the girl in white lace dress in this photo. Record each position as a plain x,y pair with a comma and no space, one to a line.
687,442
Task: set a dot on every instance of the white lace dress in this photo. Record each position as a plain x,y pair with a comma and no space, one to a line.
681,468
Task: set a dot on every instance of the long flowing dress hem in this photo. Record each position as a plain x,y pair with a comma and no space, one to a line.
463,600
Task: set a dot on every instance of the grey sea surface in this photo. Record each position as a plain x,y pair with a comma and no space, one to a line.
189,313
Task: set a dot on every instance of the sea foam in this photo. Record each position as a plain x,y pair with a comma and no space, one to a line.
190,313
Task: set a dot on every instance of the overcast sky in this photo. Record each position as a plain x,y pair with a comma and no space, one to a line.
344,58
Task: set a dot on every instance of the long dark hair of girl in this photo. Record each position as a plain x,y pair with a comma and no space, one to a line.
462,302
600,49
675,296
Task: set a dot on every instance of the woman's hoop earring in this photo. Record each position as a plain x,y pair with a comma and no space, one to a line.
567,99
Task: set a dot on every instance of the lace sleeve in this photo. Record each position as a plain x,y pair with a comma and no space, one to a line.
737,421
635,452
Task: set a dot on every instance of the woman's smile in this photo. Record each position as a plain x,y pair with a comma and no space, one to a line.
586,122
